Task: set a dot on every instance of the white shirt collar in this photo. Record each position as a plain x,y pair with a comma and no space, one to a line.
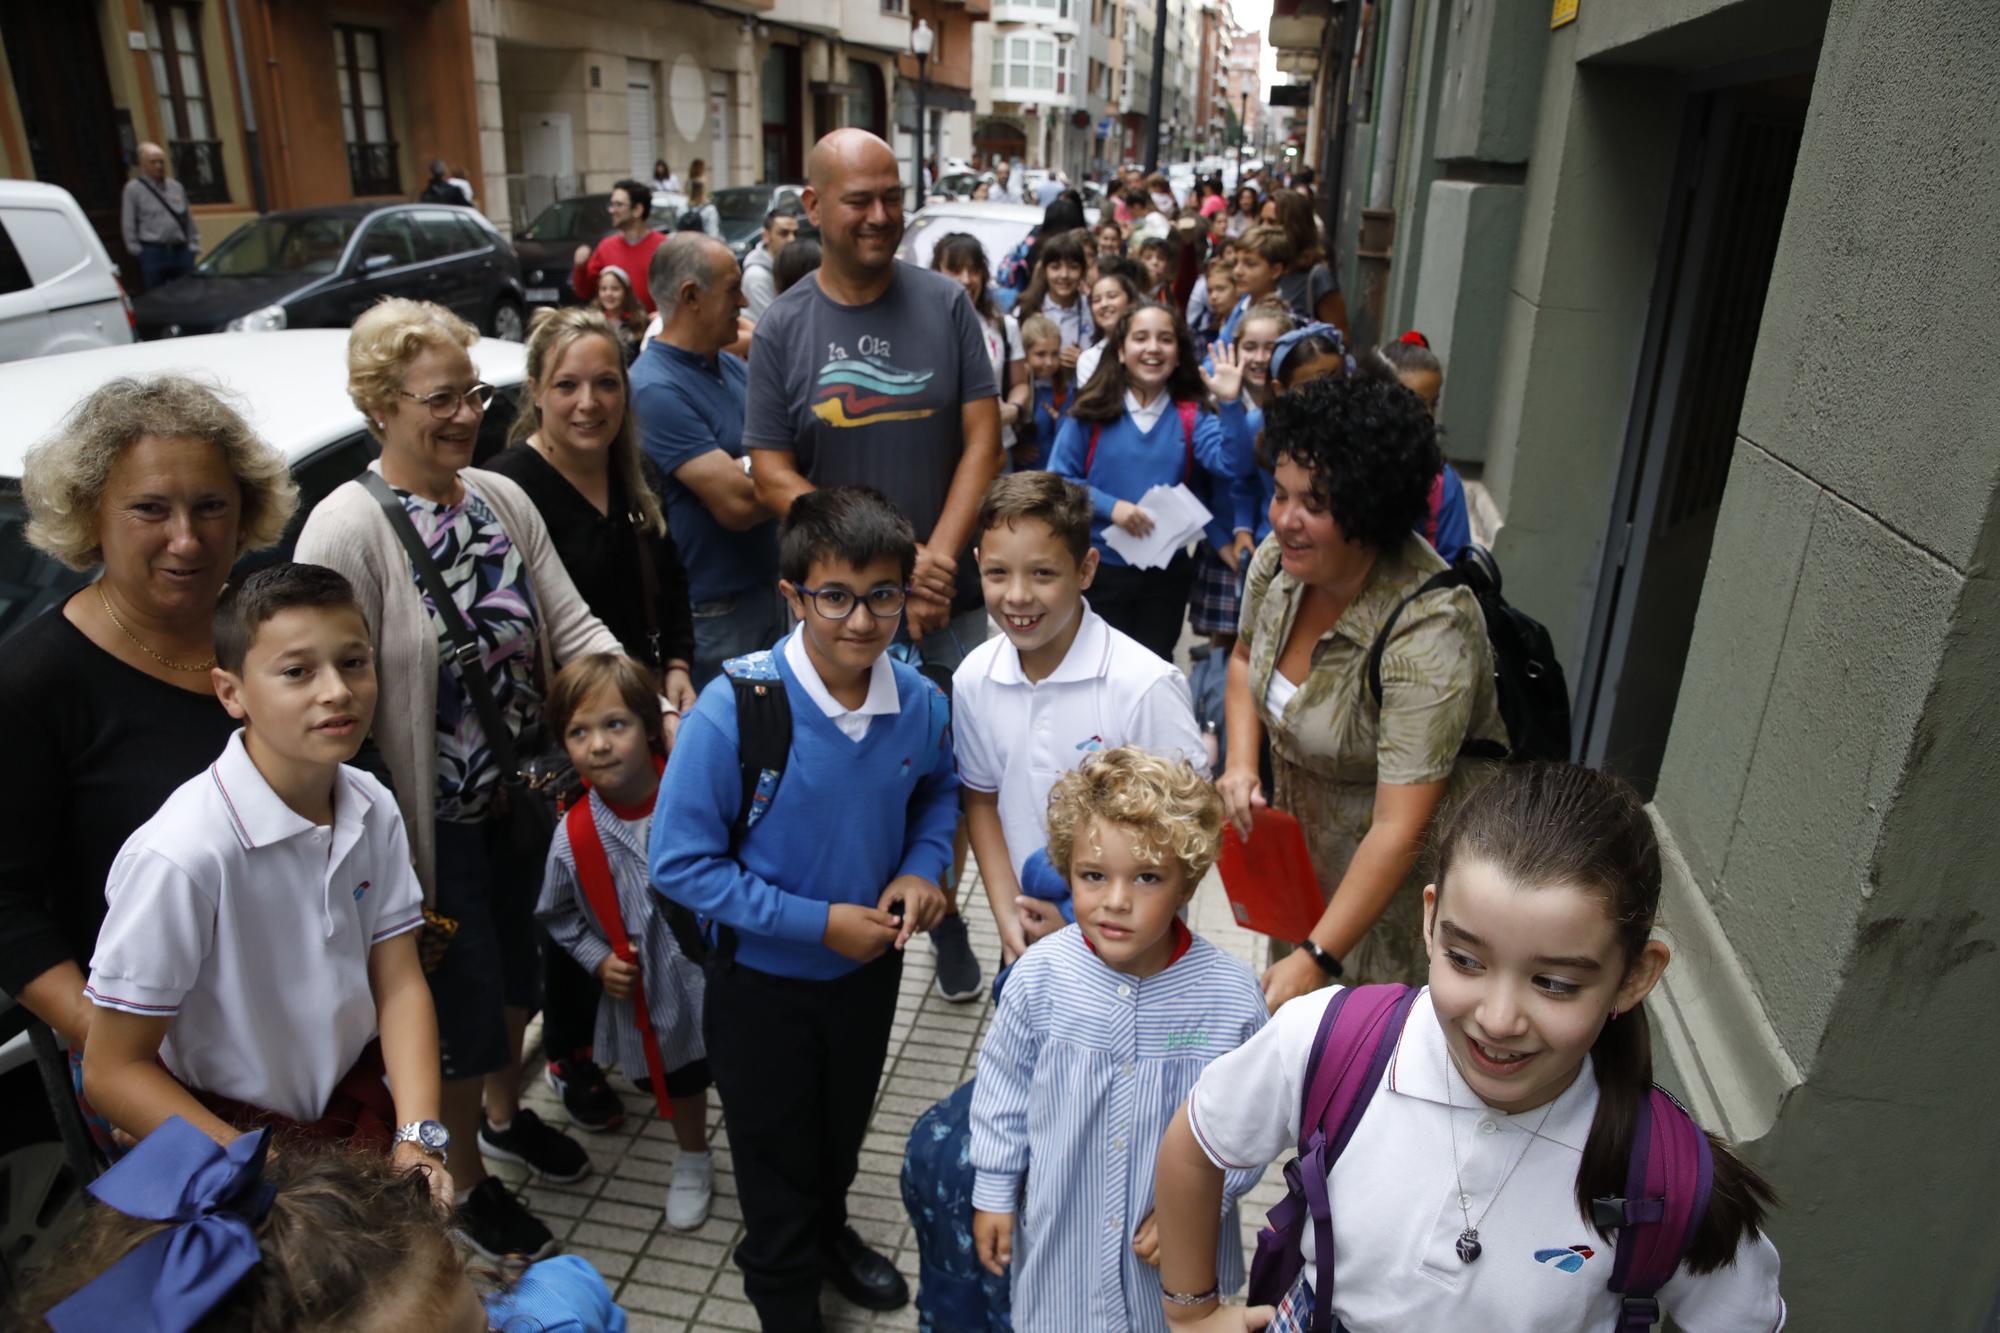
1422,1068
259,815
882,698
1146,417
1088,657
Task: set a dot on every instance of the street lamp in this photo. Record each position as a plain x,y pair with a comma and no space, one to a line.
1243,127
921,40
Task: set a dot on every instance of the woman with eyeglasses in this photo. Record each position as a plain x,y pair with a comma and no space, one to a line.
409,372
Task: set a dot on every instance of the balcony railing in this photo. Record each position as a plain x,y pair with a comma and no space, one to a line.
372,169
198,167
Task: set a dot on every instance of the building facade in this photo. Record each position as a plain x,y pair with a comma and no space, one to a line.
1243,79
1713,283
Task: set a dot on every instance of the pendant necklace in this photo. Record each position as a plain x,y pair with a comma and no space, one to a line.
1468,1240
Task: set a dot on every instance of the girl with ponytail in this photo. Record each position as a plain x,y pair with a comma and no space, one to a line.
1470,1193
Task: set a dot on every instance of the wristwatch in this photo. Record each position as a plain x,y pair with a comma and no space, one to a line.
429,1135
1327,962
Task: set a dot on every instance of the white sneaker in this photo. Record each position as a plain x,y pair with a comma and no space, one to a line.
692,1185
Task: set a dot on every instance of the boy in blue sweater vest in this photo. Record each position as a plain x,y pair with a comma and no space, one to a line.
810,905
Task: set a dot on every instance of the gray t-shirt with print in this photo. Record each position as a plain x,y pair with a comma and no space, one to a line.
869,395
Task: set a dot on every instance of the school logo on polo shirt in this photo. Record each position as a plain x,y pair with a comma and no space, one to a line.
1091,745
360,889
1569,1260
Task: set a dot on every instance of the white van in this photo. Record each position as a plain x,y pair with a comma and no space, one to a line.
59,290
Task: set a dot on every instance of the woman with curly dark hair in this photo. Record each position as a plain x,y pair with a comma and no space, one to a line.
1354,461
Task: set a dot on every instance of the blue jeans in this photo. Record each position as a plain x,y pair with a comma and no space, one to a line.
732,626
160,263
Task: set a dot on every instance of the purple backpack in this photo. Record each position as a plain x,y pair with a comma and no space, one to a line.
1666,1184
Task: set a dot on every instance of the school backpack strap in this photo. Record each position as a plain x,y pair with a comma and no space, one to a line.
1668,1179
600,893
1188,411
763,735
1357,1035
1454,577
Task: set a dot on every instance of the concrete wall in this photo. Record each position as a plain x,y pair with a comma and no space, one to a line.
1831,774
1469,238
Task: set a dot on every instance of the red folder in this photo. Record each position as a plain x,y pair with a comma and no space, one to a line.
1269,879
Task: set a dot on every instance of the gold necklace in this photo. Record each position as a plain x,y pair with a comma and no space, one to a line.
123,629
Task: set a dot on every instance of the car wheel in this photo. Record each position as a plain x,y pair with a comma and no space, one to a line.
508,324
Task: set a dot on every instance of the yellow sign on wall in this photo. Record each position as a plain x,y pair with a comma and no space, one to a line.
1565,12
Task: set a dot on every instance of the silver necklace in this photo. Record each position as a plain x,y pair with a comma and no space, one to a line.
1468,1240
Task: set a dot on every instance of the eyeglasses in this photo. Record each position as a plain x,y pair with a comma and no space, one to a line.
884,602
444,403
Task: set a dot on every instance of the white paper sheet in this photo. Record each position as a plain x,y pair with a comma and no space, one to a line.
1178,518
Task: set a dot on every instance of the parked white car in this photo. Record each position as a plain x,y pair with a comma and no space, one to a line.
59,290
292,388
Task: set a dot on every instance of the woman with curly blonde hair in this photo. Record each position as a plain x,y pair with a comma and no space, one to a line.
409,372
108,701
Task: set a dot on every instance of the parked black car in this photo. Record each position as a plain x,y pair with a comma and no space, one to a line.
320,267
546,246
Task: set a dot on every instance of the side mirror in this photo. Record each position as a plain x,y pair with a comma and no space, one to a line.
372,263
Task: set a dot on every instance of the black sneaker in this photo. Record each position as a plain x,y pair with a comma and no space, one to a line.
957,970
589,1101
549,1153
494,1222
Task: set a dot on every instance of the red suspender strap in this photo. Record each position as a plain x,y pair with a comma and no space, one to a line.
593,873
1187,411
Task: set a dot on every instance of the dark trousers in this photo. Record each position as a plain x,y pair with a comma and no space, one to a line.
160,263
796,1064
569,1005
1148,604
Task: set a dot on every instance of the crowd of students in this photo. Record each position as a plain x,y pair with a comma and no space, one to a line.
743,868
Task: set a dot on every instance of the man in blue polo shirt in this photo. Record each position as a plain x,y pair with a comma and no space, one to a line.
689,396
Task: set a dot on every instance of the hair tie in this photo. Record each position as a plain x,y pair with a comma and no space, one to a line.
1416,339
1290,341
215,1195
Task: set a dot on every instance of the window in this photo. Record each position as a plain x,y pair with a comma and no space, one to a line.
13,272
441,235
1028,61
173,44
364,111
390,236
894,7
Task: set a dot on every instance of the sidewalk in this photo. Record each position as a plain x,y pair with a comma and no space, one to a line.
684,1282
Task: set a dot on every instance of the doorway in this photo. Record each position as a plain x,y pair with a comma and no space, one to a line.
784,159
1727,211
57,60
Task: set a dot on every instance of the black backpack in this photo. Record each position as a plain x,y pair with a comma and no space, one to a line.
1533,693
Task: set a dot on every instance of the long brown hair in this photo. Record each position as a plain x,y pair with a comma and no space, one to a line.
1542,824
1103,399
1295,215
1066,247
550,334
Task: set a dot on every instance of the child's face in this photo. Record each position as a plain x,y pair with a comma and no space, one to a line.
1064,275
1255,274
1110,240
1125,904
847,645
1155,263
607,742
1043,357
1108,302
307,687
1033,585
611,294
1221,288
1149,352
1523,978
1256,339
968,278
1425,384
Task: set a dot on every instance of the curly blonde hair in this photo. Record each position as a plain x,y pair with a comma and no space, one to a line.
386,338
63,478
1174,810
550,334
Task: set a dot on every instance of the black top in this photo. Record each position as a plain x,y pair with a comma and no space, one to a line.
601,553
95,747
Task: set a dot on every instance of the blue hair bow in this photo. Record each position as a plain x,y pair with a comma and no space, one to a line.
215,1195
1290,341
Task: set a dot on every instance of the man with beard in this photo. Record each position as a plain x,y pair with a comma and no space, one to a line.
874,373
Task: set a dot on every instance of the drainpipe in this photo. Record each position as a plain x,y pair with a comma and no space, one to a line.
249,101
1389,105
1376,243
278,101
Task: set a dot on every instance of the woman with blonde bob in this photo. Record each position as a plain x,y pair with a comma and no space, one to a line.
108,700
574,450
411,375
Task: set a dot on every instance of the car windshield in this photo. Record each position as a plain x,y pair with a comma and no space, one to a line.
30,582
741,210
997,236
274,245
570,220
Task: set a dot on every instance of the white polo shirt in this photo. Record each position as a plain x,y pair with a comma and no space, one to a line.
881,700
251,927
1543,1269
1016,737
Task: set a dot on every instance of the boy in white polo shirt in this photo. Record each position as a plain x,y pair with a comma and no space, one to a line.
1057,685
259,929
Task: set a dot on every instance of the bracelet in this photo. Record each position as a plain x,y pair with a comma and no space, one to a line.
1183,1298
1327,962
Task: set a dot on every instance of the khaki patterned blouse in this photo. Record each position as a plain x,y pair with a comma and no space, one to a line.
1331,744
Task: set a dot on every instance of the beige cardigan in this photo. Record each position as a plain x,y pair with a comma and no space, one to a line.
348,532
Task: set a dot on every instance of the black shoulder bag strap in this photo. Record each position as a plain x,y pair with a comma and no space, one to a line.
1450,578
180,217
649,592
465,650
